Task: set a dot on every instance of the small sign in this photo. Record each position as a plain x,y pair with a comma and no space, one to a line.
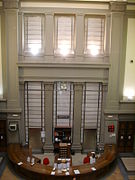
111,128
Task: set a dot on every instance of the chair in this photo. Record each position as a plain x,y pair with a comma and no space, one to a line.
46,161
86,160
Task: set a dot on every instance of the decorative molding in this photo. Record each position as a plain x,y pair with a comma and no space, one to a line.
64,65
80,14
11,4
78,86
91,5
8,110
127,101
131,7
118,6
49,86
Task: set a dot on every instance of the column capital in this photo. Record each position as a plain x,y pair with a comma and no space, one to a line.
10,4
49,86
78,86
118,6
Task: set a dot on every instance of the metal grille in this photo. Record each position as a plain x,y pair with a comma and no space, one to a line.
33,32
92,107
33,106
63,104
94,34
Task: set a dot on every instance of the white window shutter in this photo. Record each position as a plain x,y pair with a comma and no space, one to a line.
33,32
64,34
94,34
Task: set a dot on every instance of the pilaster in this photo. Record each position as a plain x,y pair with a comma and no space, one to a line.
11,34
117,11
78,90
11,4
49,38
79,35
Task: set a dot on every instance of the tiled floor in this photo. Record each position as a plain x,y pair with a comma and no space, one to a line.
129,163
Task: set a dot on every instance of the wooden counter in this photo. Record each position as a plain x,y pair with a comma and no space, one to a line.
17,153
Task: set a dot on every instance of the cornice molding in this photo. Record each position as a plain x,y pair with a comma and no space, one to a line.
11,4
118,6
64,65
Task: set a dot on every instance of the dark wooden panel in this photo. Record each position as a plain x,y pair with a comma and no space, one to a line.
126,136
35,138
3,137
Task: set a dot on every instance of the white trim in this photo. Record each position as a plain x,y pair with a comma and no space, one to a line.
66,5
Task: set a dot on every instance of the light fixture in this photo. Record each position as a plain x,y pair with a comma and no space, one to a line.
109,116
63,86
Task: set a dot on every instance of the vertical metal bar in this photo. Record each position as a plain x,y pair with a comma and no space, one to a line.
56,89
73,112
53,114
70,106
98,112
24,111
28,110
41,106
84,108
44,112
102,94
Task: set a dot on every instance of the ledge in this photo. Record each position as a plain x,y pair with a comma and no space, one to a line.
127,101
10,110
3,100
63,65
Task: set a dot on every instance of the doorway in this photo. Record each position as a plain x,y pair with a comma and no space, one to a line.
126,135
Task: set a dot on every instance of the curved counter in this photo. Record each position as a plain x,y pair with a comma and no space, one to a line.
17,154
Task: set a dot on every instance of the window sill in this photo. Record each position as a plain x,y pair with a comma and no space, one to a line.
2,100
63,64
127,101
